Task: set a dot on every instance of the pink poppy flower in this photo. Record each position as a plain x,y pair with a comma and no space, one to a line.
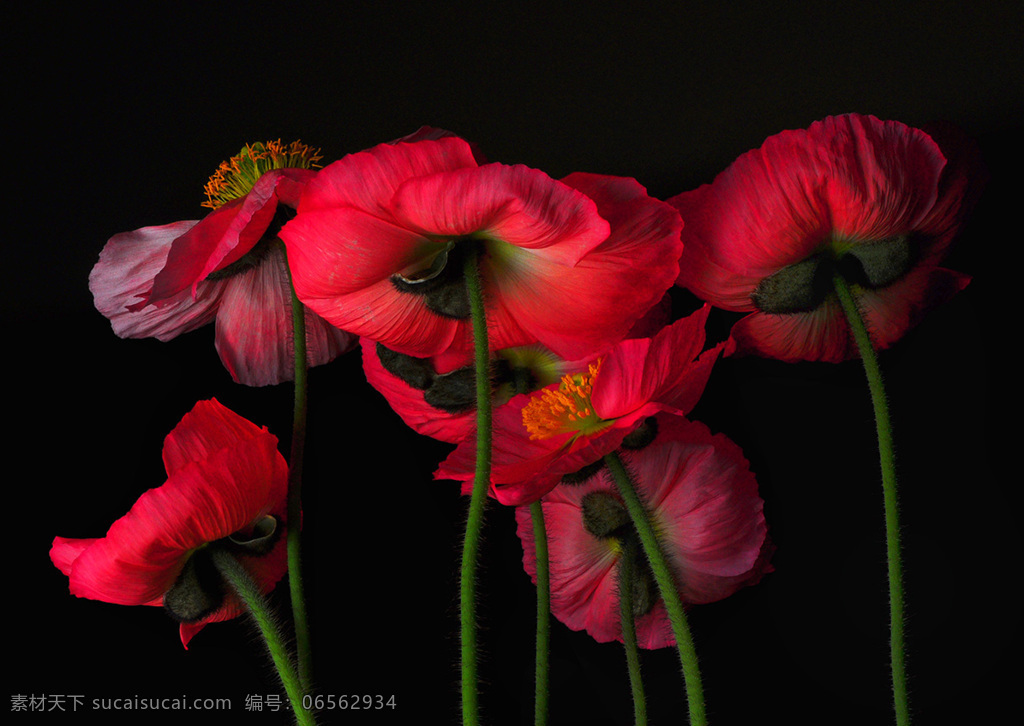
704,503
378,242
876,201
160,282
226,487
540,437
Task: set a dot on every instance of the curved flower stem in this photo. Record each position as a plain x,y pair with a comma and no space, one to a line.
249,592
892,526
302,638
666,585
481,482
540,539
627,563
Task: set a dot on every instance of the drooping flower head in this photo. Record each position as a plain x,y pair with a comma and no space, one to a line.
163,281
378,245
876,202
540,437
226,488
704,504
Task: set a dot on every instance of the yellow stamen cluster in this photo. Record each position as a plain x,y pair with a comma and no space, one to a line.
562,409
236,176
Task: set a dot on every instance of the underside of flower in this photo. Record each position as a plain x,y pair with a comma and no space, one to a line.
441,283
804,285
566,408
199,589
236,176
513,370
606,517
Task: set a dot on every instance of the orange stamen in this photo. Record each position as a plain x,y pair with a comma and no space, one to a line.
566,408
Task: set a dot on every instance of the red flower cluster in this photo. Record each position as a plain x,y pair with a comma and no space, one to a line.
574,273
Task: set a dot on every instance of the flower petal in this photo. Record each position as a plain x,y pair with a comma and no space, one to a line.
124,275
368,179
514,204
584,587
603,294
884,175
255,337
220,238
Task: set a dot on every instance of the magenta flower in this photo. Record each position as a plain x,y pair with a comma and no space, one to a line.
540,437
703,502
378,244
226,487
877,202
160,282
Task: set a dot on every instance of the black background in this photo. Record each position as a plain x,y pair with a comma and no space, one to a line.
115,121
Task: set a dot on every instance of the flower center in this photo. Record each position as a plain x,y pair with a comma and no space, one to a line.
566,408
236,176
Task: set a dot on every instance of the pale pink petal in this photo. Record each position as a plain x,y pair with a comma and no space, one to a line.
705,498
124,276
584,587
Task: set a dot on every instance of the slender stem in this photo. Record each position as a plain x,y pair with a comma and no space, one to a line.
666,586
540,539
249,592
481,481
892,526
302,637
627,566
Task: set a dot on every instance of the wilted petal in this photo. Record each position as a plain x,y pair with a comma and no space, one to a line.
124,275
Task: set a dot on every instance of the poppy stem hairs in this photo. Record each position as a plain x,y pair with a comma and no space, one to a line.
540,539
298,446
481,481
239,580
888,465
627,574
666,585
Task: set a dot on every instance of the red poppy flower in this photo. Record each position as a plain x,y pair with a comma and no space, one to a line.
703,501
226,487
436,396
163,281
540,437
877,202
377,244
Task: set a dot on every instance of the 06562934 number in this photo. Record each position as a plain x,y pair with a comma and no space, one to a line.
351,702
